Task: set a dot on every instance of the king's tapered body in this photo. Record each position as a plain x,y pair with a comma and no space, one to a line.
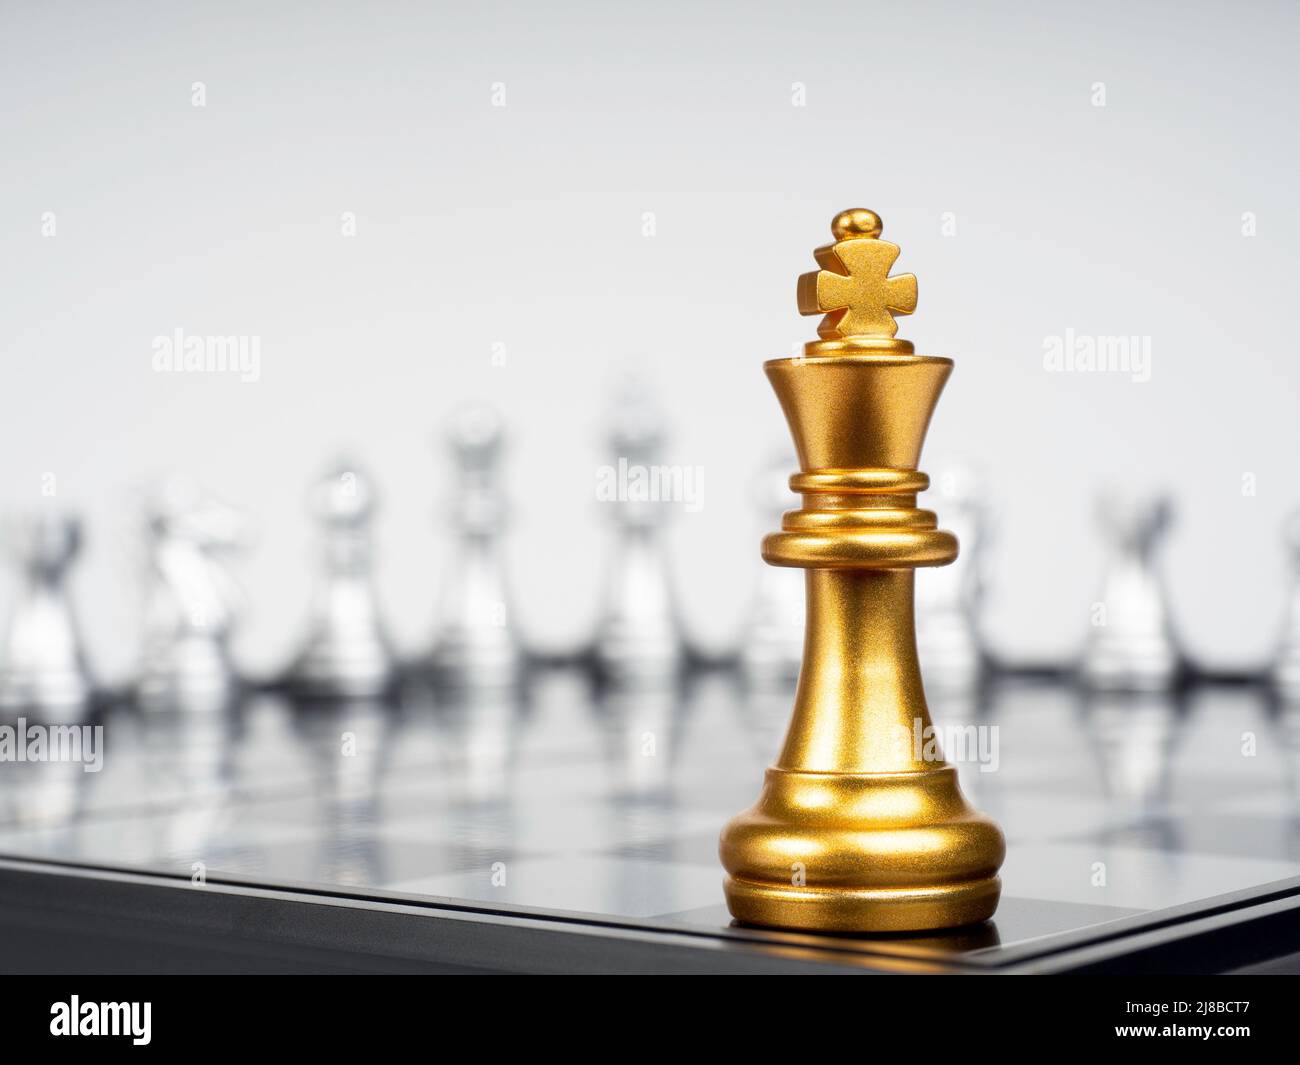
855,830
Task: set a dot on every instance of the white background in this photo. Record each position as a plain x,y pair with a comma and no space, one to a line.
523,225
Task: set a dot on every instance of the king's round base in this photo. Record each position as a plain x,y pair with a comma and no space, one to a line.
863,911
883,852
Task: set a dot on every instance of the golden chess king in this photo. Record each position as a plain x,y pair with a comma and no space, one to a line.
855,829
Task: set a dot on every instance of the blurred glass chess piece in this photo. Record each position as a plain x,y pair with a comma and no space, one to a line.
638,637
43,670
347,653
772,644
948,598
192,601
1131,645
476,644
949,638
1285,670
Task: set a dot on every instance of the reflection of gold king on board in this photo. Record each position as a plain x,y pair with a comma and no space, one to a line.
858,827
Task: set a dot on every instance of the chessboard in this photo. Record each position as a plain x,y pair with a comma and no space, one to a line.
562,825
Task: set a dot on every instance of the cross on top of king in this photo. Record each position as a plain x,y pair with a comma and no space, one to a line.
853,287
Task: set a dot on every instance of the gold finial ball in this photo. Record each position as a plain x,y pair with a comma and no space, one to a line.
856,223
